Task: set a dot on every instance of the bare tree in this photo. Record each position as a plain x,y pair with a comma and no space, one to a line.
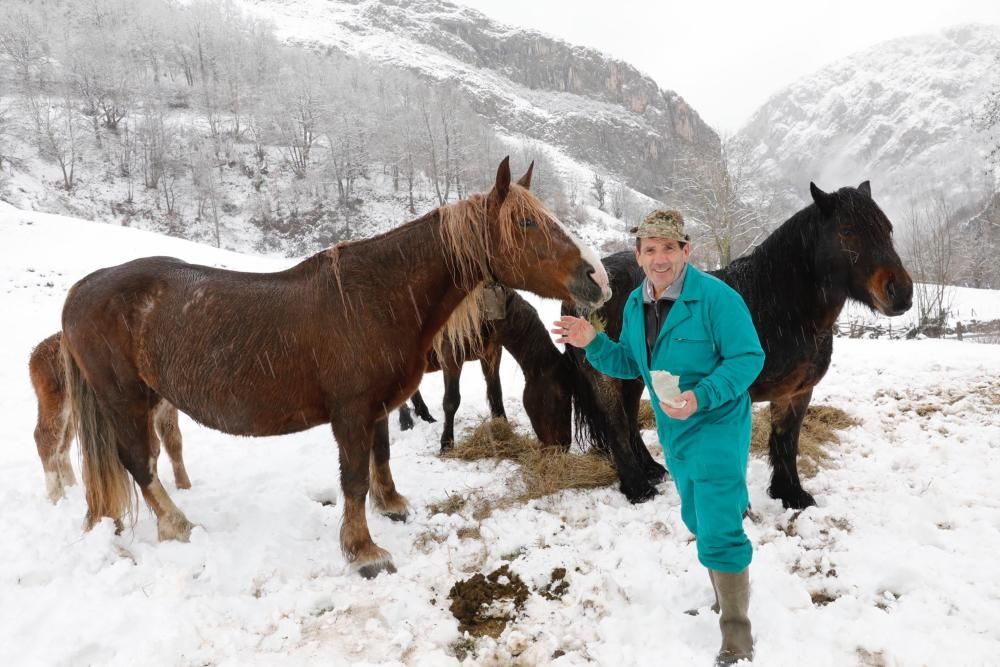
22,41
932,255
598,188
57,133
715,194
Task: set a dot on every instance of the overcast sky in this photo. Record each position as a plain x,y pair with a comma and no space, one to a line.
727,58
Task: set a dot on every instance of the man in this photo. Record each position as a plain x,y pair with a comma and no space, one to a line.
698,328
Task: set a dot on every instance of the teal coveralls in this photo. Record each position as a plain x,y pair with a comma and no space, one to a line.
708,340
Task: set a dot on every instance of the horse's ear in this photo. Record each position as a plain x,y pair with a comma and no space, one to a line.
525,181
823,200
865,189
502,186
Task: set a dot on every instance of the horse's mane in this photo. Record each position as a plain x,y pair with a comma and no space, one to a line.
470,253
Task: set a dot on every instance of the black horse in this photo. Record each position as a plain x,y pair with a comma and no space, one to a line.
795,285
548,375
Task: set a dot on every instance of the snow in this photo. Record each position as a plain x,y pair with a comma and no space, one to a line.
902,543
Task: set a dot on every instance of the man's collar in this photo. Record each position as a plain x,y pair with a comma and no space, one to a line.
672,293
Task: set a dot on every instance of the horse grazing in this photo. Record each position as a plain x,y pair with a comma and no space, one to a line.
548,377
341,339
795,284
55,429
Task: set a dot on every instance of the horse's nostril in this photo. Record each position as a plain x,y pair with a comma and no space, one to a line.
890,289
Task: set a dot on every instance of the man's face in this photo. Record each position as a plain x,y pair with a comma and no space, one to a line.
662,260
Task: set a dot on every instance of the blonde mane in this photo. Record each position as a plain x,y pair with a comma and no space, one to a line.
465,236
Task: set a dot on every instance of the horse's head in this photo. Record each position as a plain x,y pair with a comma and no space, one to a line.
530,249
860,250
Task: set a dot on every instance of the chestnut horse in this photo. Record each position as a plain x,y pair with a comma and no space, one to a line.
55,429
795,284
548,375
341,339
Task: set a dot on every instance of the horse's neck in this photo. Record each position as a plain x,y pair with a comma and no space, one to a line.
414,267
794,289
524,335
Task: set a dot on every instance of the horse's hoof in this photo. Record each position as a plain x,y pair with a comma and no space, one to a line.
405,423
397,516
796,499
427,418
655,473
641,495
372,570
174,527
447,446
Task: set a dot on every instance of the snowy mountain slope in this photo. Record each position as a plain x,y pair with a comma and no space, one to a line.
596,110
892,568
898,114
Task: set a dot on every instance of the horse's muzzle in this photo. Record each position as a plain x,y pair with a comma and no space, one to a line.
587,292
893,294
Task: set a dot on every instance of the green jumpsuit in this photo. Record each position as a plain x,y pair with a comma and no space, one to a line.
708,340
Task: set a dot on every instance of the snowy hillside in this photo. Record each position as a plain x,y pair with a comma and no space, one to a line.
898,114
894,567
594,109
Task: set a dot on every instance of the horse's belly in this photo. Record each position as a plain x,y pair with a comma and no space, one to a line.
796,370
252,417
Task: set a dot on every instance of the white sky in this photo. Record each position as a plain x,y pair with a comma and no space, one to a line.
727,58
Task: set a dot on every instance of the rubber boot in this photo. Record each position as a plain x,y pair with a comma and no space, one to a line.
733,590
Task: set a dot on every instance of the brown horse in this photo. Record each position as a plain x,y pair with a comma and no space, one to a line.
795,284
56,429
549,377
341,338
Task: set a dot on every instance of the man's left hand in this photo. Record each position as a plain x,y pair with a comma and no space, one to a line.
689,408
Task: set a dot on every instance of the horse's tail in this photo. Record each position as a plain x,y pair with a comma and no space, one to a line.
591,412
109,488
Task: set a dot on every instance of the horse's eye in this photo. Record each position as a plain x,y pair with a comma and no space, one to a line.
527,223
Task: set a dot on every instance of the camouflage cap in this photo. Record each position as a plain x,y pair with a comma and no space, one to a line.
662,223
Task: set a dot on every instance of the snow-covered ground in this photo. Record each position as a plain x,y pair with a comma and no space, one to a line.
899,555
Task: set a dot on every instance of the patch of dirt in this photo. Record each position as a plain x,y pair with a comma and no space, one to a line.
485,604
871,658
822,598
557,587
818,433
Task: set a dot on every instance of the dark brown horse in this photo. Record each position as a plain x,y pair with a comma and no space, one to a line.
55,429
341,338
795,285
548,375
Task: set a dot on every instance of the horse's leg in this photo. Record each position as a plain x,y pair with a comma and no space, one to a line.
452,399
405,418
131,421
614,436
384,496
66,474
420,407
165,421
787,414
354,441
631,398
490,363
51,430
141,450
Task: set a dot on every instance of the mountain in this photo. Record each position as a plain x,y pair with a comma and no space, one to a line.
592,108
898,114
